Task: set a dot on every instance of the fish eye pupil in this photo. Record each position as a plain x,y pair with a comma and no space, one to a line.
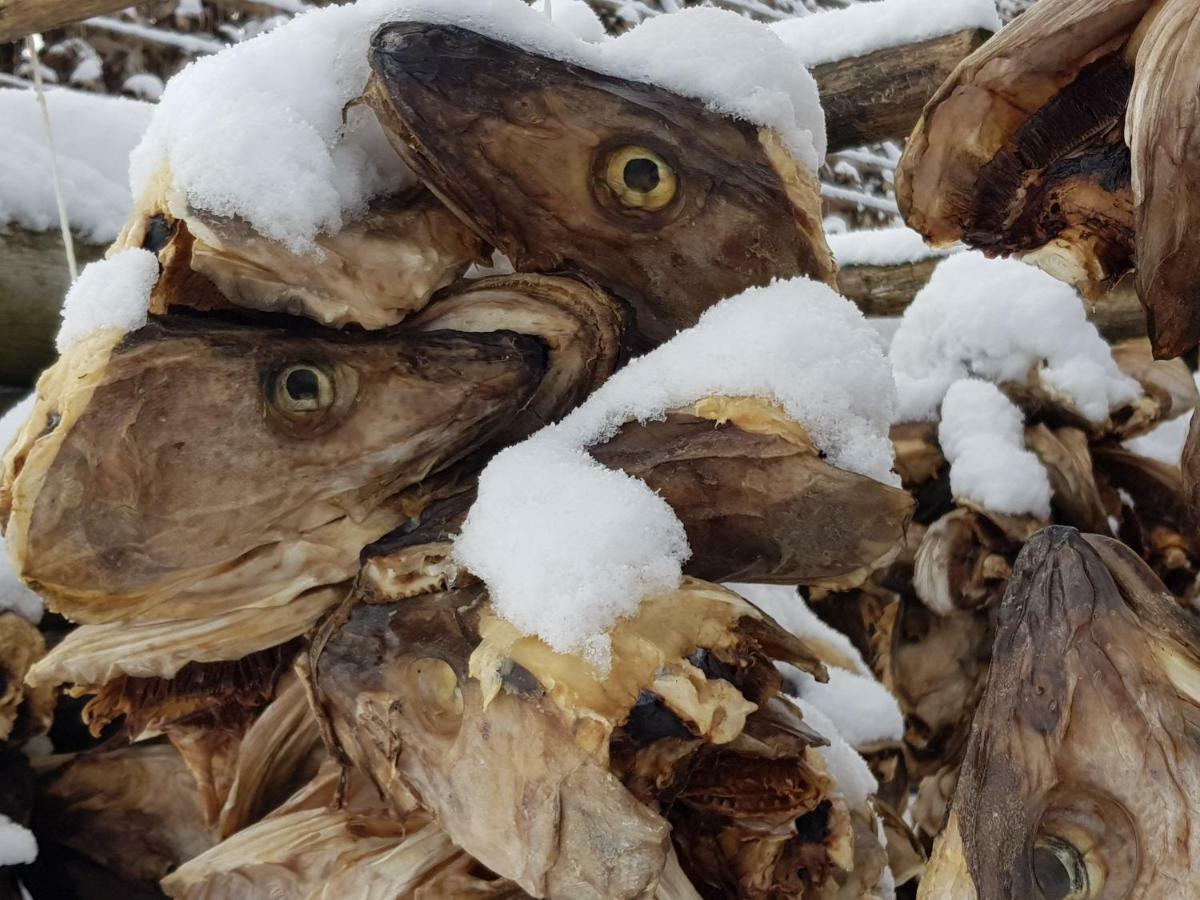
641,174
158,233
302,384
1057,869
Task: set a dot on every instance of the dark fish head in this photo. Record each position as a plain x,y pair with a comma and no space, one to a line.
240,464
1084,759
659,199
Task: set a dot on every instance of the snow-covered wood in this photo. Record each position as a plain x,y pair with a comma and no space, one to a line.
21,17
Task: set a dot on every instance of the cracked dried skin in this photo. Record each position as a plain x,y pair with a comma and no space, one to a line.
1021,150
374,272
227,466
526,149
25,710
1083,761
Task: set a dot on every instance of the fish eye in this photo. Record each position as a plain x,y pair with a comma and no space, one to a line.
303,388
640,178
1059,870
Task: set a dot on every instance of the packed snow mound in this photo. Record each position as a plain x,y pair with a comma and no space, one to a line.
110,293
795,342
982,435
1000,320
881,247
849,770
866,27
257,130
568,547
93,136
14,595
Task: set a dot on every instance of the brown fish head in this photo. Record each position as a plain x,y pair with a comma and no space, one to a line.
659,199
235,465
1084,759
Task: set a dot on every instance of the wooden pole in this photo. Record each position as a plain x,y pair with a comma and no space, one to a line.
880,96
19,18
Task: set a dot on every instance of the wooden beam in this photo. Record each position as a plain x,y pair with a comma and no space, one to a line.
19,18
888,290
33,280
879,97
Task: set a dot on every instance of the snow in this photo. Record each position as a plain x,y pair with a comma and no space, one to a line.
849,770
794,342
14,595
1001,319
982,435
257,130
17,843
568,547
89,69
861,709
866,27
785,605
144,85
1165,443
93,135
110,293
575,17
881,247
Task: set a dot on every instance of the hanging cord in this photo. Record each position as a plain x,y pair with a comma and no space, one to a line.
63,224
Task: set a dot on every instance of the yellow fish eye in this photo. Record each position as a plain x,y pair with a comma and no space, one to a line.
640,178
303,388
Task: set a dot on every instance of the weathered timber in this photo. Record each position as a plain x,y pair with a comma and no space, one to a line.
888,290
33,280
880,96
19,18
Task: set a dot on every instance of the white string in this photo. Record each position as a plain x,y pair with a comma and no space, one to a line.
63,224
549,15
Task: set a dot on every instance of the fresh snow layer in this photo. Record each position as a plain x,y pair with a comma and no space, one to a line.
110,293
17,843
93,135
982,434
1165,443
14,595
848,769
794,342
257,131
575,17
880,247
866,27
568,547
862,710
999,320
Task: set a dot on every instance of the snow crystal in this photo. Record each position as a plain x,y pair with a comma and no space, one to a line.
849,770
794,342
568,547
14,595
17,843
1001,319
866,27
257,130
982,435
93,135
110,293
881,247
